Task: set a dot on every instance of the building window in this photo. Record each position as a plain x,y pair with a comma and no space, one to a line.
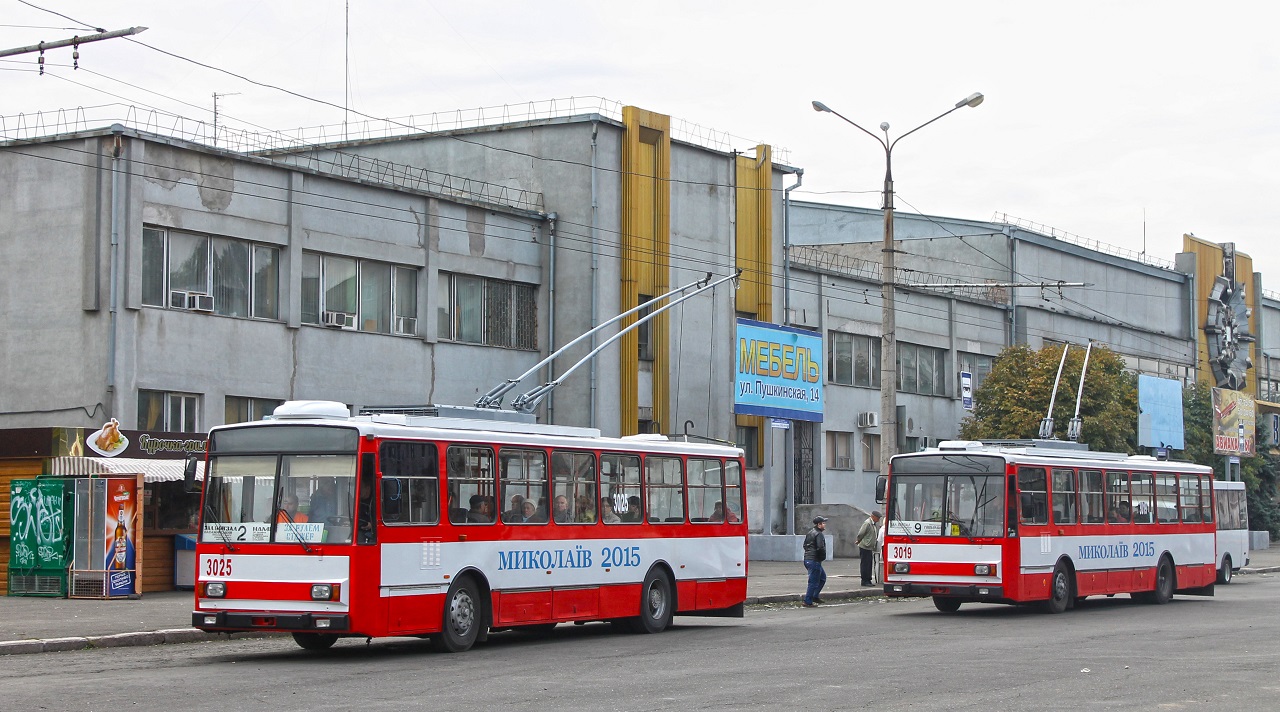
748,438
364,295
853,359
922,369
239,409
870,452
840,450
170,412
215,274
492,312
644,332
976,365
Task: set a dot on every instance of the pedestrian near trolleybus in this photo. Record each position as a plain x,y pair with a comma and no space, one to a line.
815,552
868,534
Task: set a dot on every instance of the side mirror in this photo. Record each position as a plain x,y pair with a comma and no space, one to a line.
881,483
189,475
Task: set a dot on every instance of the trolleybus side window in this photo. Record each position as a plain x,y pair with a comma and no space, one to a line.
1189,497
1064,497
522,479
665,489
573,487
470,485
620,489
1142,486
1033,500
410,483
1206,498
706,491
1092,509
1167,499
732,491
1119,501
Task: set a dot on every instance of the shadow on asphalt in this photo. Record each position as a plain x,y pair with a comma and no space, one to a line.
348,649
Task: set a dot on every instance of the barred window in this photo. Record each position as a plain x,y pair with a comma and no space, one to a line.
485,311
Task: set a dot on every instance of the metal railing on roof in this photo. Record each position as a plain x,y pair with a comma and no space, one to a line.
1095,245
826,260
52,123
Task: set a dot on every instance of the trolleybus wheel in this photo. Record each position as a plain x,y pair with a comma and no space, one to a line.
463,616
315,641
1059,591
655,603
946,605
1164,583
1224,572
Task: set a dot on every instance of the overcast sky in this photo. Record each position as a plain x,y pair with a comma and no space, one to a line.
1129,123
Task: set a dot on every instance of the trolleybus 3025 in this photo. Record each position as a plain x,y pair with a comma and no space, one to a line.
324,526
1039,522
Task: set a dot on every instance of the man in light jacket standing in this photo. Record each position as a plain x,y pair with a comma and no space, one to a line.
868,535
815,552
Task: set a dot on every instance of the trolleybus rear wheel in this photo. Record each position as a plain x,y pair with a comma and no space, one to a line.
315,641
463,616
946,605
1224,572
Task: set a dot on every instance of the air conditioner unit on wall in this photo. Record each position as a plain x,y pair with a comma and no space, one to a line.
178,299
406,325
200,302
869,419
339,320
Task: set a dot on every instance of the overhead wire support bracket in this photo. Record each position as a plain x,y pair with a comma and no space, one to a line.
493,398
528,401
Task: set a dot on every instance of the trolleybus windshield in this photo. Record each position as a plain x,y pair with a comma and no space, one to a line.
947,495
300,489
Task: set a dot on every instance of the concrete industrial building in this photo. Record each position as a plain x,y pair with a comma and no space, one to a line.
176,282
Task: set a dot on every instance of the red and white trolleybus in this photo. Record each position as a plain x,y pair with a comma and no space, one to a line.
324,526
1036,521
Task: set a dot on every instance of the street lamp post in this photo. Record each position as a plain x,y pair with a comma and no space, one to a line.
889,348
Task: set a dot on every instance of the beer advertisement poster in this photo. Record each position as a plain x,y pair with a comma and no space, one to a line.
121,536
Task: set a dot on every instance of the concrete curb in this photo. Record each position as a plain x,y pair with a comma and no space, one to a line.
826,596
120,640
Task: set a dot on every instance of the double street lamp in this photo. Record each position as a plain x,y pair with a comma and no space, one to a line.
889,350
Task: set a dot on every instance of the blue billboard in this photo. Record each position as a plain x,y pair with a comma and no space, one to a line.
779,372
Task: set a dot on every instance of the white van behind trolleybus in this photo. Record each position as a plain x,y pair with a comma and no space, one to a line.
1233,528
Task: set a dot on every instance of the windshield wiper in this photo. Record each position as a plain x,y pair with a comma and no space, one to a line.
297,535
222,533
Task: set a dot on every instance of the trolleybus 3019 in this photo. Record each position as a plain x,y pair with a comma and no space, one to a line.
324,526
1038,522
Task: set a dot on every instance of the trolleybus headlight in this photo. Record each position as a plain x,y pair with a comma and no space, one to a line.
984,570
902,567
326,591
215,589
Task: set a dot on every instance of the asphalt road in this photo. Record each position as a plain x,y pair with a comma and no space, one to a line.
1218,653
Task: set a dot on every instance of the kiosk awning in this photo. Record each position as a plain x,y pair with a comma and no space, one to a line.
151,470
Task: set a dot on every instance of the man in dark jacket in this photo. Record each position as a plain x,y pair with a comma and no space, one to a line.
815,552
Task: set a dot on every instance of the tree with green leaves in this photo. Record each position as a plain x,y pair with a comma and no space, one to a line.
1014,397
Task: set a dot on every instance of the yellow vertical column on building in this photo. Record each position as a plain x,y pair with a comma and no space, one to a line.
754,198
646,257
